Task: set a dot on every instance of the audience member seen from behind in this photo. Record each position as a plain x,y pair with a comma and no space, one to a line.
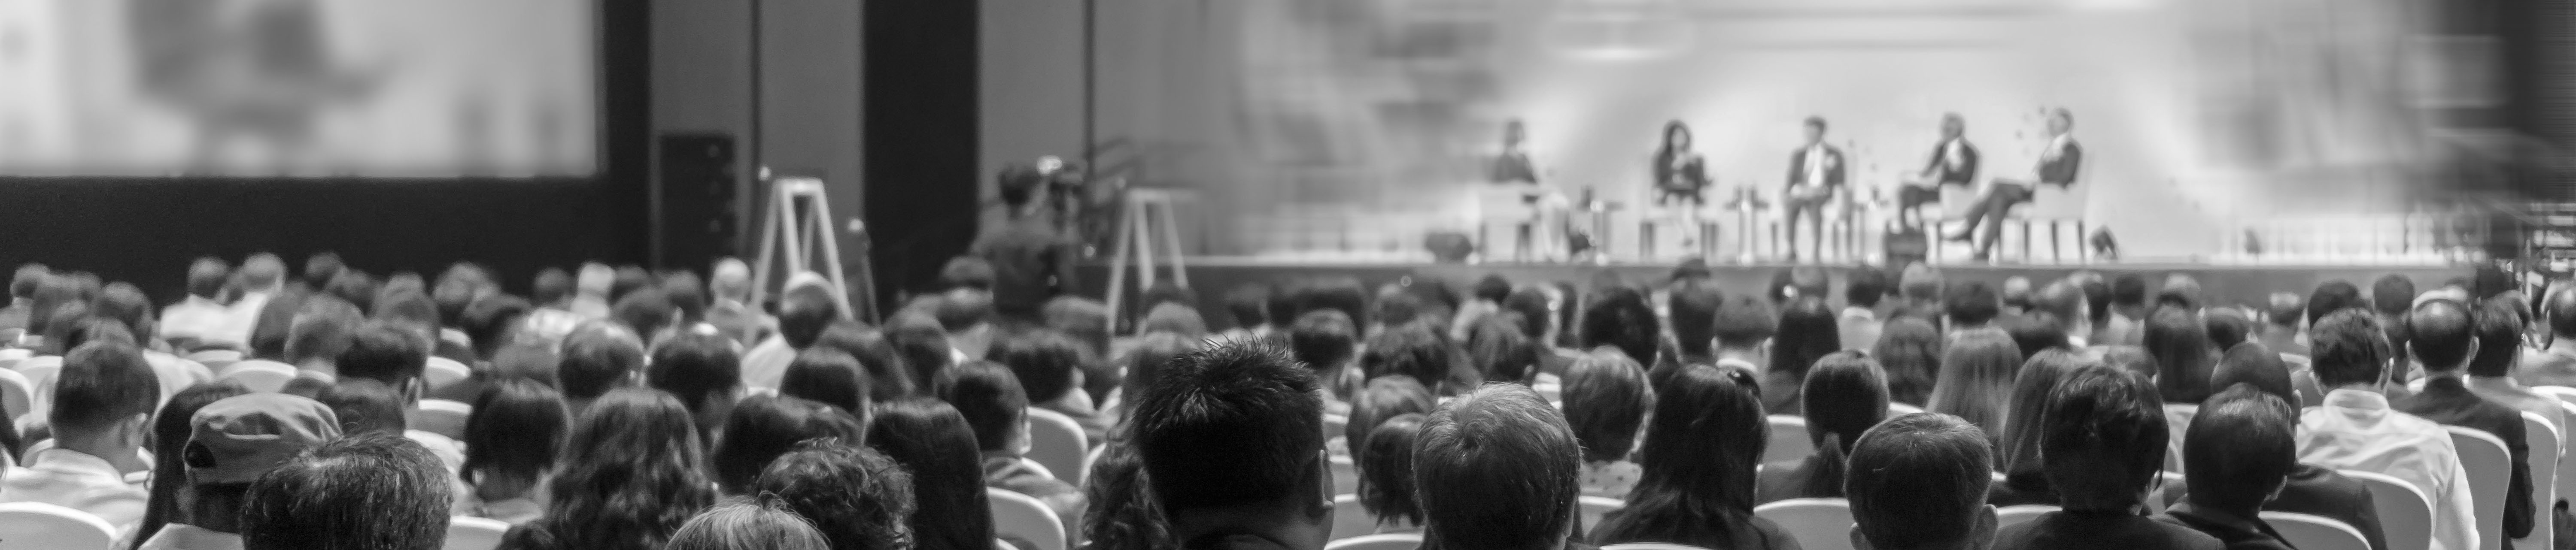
764,427
102,413
2103,448
747,526
932,441
1976,379
856,496
1415,352
1845,395
1495,469
1806,334
510,444
1606,400
2025,479
1859,326
1692,306
377,491
1909,350
2178,339
1121,517
2490,371
1232,443
2239,452
232,442
995,406
597,357
1384,461
170,429
2444,338
1499,352
700,369
1918,482
1620,318
805,308
630,473
828,376
1325,341
1049,367
1701,448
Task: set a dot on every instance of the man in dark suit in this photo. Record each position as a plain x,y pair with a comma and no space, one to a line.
2058,165
1953,162
2238,452
1815,174
2444,337
2102,445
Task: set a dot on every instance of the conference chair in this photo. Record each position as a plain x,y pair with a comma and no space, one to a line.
442,417
1651,546
1788,440
1056,441
39,526
9,357
40,371
1083,478
1391,541
443,372
1817,523
2405,513
473,533
16,394
259,375
999,544
1346,476
1593,508
2543,439
2490,469
216,358
2009,516
1895,409
1350,519
2563,393
1334,425
2306,532
1023,516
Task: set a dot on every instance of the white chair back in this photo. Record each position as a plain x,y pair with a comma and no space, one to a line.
40,371
2009,516
258,375
1895,409
38,526
444,372
2543,439
17,394
1651,546
1350,520
1817,523
442,417
2563,393
1334,425
1056,441
2306,532
1391,541
1023,516
216,358
1595,507
1788,440
473,533
2405,513
1083,478
2490,470
1346,476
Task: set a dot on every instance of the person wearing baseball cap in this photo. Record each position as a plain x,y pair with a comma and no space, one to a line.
231,443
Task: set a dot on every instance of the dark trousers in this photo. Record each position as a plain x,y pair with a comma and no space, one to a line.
1911,197
1990,212
1813,209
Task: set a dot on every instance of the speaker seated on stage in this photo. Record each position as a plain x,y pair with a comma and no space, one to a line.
1815,177
1953,163
2058,166
1680,175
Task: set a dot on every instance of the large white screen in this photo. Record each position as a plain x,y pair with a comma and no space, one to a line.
377,88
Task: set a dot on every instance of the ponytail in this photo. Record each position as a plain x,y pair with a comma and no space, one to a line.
1825,477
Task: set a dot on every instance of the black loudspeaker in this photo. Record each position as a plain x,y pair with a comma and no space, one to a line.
694,218
1907,245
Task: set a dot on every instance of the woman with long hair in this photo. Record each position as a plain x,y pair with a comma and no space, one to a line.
931,439
1846,394
1385,461
632,471
170,432
2017,450
1679,173
1909,350
2179,342
510,444
1808,332
1699,458
1976,378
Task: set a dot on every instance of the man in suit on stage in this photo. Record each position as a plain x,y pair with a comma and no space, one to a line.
1815,173
2058,166
1953,162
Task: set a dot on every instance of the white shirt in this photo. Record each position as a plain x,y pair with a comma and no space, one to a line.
201,318
179,536
76,480
1816,164
2356,430
1951,154
766,364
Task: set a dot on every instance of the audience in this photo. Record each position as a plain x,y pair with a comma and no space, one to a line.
1385,397
1495,469
1745,326
396,355
1692,306
1606,401
1972,308
2061,305
1845,395
1497,351
1806,334
1049,367
1909,349
630,473
102,412
1325,341
170,432
374,491
202,317
931,440
2444,337
998,409
887,378
598,357
2227,327
747,526
2309,488
2128,312
805,307
1976,379
2357,429
829,376
2102,448
2490,370
764,427
1858,326
1620,318
2017,444
1705,439
1384,460
510,446
2239,452
2280,328
1233,452
1918,482
700,369
1415,352
232,443
1122,517
856,496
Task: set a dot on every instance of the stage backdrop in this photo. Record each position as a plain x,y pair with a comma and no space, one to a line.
1312,123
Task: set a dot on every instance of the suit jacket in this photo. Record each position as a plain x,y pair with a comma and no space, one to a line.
2237,532
1514,167
2062,169
2447,400
1965,173
1833,167
1031,263
2319,491
2088,530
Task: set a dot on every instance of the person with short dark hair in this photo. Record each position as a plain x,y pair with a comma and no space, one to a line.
2333,296
1499,352
1742,334
1249,307
997,407
2282,317
1699,460
1606,401
806,307
365,406
2227,327
1032,261
856,496
397,355
2239,451
2392,295
1859,324
232,443
747,526
1144,362
2127,324
1385,397
1325,341
2445,338
377,491
2309,488
646,310
828,376
2357,428
2181,290
2555,364
923,346
1971,306
1909,350
700,369
1049,367
2016,296
1253,472
2033,336
631,472
511,439
931,440
2061,304
1693,306
1620,318
1495,469
2102,450
1921,286
1384,461
2500,350
101,414
203,316
1845,395
598,357
2251,363
1918,482
1416,352
763,427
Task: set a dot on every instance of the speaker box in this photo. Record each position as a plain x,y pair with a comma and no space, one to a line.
694,218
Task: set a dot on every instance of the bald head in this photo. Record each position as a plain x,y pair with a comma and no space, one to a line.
731,279
2444,333
2285,309
2562,313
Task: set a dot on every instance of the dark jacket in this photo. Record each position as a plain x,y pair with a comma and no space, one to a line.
1944,174
2065,167
2447,400
2319,491
2087,530
2237,532
1833,168
1031,264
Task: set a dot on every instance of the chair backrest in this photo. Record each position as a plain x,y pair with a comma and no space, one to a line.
1817,523
1651,546
2016,515
442,417
2307,532
215,358
1023,516
2542,437
1391,541
16,393
1895,409
2405,513
38,526
443,372
1083,478
2566,471
2490,470
1333,426
1350,520
1346,476
1056,441
1788,440
473,533
40,371
2563,393
1595,507
259,376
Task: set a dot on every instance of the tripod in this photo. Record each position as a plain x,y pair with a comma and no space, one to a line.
799,224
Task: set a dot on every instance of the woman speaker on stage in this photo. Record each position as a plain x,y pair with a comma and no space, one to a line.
1680,175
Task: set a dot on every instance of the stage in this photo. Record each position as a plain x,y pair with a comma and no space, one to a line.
1211,277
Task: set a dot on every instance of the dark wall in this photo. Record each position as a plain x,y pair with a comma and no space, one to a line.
921,136
146,230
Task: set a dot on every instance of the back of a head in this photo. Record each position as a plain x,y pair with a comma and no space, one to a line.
320,267
2181,290
991,398
2251,363
828,376
321,330
2105,439
2227,327
553,285
1323,339
931,440
597,357
1536,315
1705,438
513,430
1921,283
1385,398
763,427
2499,328
1384,458
1919,482
2179,341
29,277
963,308
1972,303
2018,435
966,272
1865,287
101,384
2561,308
406,306
647,310
2333,296
1621,317
1910,350
2392,294
2441,333
391,353
2061,303
2016,292
366,406
492,322
1808,332
856,496
923,345
272,329
2240,446
206,277
1249,305
263,271
1173,317
1606,399
355,286
1974,372
630,429
1497,469
803,313
747,526
2129,290
1844,395
628,278
1044,361
1236,425
457,286
1145,358
2285,309
1083,319
375,491
699,368
1411,351
2033,336
1743,324
1500,352
1694,305
1342,294
122,302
